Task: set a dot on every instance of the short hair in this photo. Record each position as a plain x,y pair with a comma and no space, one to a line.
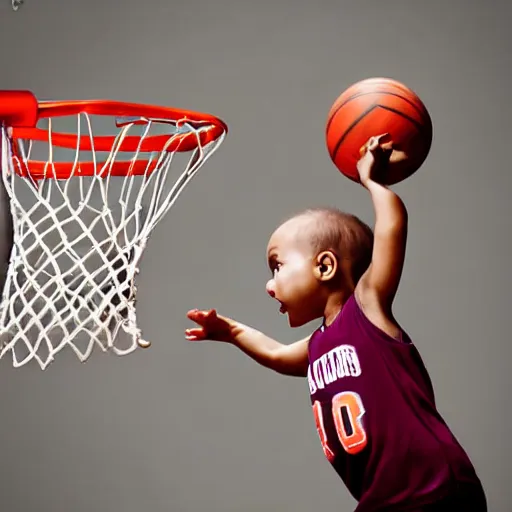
347,236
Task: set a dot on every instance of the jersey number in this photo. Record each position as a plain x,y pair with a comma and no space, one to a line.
347,411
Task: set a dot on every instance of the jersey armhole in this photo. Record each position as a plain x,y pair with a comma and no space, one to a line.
403,338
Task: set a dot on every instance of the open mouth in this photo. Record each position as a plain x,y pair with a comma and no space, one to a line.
282,309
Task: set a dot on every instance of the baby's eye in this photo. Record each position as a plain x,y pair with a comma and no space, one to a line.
276,268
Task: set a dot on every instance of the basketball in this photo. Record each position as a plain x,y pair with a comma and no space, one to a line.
372,107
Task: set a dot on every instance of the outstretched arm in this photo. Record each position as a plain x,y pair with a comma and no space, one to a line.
285,359
378,286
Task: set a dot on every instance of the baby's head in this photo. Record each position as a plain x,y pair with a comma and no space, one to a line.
314,256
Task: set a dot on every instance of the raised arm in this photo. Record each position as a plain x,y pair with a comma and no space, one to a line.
378,286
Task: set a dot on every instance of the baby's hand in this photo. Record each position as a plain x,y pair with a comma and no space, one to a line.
374,160
211,326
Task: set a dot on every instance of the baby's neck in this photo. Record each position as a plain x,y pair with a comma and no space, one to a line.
334,305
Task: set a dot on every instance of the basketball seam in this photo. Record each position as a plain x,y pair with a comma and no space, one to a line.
363,115
359,94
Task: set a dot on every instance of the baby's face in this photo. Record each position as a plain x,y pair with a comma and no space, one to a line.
292,263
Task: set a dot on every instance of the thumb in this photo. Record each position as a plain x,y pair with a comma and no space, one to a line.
383,141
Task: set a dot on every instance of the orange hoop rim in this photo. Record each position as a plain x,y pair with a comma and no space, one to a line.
20,111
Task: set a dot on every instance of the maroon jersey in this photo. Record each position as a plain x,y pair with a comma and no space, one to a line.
375,413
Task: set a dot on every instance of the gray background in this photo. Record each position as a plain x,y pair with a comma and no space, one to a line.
185,427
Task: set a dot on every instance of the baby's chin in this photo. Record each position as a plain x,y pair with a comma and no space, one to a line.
295,322
299,320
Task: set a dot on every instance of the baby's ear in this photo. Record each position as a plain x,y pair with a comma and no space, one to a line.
326,266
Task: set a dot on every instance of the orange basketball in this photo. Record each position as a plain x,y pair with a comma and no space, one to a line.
372,107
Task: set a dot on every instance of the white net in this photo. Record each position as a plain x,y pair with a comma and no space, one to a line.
78,242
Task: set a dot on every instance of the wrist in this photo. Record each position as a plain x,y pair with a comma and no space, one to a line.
238,332
243,336
373,186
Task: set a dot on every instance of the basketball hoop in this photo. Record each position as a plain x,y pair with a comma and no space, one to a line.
82,215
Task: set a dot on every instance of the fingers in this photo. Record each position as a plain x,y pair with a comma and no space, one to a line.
195,334
195,331
203,318
200,316
210,326
398,157
382,141
386,146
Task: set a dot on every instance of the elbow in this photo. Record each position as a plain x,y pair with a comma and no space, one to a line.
286,366
279,364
